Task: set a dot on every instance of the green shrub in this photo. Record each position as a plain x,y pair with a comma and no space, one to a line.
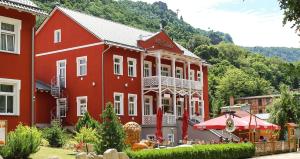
21,143
86,121
86,136
55,135
110,133
216,151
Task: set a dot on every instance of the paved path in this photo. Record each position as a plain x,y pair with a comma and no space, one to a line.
293,155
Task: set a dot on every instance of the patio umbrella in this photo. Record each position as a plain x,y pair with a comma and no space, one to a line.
159,117
185,125
260,124
219,123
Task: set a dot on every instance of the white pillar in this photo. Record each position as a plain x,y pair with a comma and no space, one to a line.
201,83
158,71
190,88
142,83
174,93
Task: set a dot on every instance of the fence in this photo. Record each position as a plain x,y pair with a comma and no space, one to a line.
272,147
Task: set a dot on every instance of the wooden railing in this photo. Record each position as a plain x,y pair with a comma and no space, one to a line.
272,147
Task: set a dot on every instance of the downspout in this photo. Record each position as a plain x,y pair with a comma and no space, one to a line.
32,79
102,76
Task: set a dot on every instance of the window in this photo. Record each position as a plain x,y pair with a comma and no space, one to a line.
151,137
166,105
10,31
171,137
192,108
192,75
200,107
81,66
62,106
199,76
165,70
179,105
131,67
57,36
132,104
61,68
147,69
9,96
118,65
81,105
148,105
119,103
179,72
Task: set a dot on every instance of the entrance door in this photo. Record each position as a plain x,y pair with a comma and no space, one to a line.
61,73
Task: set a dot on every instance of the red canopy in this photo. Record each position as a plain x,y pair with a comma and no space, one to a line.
219,123
260,124
185,125
159,117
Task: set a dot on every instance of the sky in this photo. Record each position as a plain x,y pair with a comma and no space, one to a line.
249,22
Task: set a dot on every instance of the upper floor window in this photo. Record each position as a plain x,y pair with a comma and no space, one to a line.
57,36
147,69
131,67
10,35
199,78
179,72
119,103
132,104
9,96
81,66
118,65
165,70
81,105
192,75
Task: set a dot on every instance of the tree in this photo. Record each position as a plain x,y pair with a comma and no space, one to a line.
216,105
284,110
291,12
86,121
110,133
197,40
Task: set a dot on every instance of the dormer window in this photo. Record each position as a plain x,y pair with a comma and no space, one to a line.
57,36
10,35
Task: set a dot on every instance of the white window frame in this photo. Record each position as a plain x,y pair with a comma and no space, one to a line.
121,103
192,75
192,108
200,107
179,106
129,59
149,63
168,72
59,108
150,104
199,78
17,33
16,95
172,136
79,105
163,105
78,59
134,106
58,67
57,39
120,64
181,72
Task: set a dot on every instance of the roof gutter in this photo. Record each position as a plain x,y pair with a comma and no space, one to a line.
102,76
32,79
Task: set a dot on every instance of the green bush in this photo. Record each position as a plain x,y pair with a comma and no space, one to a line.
55,135
216,151
21,143
86,121
86,136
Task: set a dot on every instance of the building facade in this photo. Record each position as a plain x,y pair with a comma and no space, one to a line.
89,61
17,21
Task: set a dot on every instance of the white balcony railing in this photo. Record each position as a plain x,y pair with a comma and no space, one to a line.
151,120
153,81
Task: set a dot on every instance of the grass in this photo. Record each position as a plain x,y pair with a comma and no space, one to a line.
46,152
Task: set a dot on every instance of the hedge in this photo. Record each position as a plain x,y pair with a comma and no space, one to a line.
216,151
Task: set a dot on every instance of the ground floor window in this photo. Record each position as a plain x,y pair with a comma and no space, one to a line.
148,109
9,96
119,103
81,105
132,104
171,137
179,105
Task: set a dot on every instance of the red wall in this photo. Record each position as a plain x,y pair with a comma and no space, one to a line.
205,90
43,106
19,66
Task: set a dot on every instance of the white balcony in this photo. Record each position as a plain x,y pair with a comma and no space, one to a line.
153,81
151,120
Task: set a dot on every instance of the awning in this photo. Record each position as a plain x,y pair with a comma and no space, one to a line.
260,124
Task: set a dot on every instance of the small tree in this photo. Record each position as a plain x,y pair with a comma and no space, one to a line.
86,136
110,133
55,134
86,121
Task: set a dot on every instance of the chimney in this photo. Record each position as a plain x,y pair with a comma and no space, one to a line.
231,101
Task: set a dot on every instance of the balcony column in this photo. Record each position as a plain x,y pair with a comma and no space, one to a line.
158,70
174,84
142,83
190,87
201,82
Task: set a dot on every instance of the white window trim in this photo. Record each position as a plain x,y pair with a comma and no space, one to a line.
57,72
151,104
134,66
79,65
135,104
167,66
121,64
55,40
199,73
181,72
17,88
193,75
78,104
18,25
121,102
172,137
150,68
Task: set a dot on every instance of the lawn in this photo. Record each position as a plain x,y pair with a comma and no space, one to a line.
46,152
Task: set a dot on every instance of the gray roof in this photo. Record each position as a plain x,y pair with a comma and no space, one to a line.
42,86
113,32
25,5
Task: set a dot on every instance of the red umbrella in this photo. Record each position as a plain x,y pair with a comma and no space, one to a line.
185,125
260,124
219,123
159,117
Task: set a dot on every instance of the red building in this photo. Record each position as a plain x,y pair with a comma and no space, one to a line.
88,61
17,21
